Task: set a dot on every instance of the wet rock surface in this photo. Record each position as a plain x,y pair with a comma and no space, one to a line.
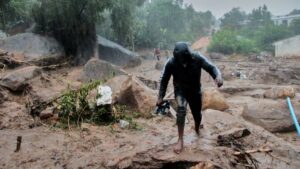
272,115
17,79
96,69
213,99
29,47
151,145
281,92
137,96
116,54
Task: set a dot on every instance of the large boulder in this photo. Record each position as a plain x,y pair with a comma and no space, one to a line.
134,94
96,69
272,115
29,47
116,85
17,79
213,99
116,54
280,92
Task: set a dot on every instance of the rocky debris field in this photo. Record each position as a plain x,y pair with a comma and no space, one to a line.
247,123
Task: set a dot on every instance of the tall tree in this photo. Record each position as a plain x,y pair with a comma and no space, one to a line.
295,12
234,19
260,17
295,26
14,10
123,16
72,23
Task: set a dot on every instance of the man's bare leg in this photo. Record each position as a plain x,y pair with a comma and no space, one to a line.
179,146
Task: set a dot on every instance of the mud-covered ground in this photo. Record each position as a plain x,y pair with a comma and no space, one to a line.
151,146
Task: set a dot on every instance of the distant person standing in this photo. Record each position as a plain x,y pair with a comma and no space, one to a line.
157,53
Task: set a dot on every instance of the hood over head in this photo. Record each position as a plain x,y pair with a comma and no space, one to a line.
182,53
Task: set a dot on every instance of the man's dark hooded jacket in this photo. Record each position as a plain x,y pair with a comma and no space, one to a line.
186,67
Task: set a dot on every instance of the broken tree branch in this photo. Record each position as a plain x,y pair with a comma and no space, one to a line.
263,150
19,142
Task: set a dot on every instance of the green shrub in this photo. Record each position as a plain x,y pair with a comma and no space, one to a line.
224,41
246,46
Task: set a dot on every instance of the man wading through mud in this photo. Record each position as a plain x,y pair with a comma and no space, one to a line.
185,67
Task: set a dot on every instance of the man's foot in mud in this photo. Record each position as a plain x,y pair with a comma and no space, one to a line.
178,147
197,130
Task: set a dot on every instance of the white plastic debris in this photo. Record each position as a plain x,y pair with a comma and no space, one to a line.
124,123
105,95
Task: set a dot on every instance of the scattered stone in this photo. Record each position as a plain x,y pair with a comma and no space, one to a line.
17,79
272,115
124,124
137,96
213,99
116,54
280,92
47,113
29,47
159,65
236,133
96,69
86,126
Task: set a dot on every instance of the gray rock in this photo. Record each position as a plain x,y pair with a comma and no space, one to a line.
34,48
17,79
272,115
96,69
280,92
47,113
116,54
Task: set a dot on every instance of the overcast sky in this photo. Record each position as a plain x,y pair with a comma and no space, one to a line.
219,7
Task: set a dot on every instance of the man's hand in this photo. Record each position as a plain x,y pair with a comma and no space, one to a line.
159,101
219,81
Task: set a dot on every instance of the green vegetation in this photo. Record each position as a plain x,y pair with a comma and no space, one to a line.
163,22
252,33
227,41
76,107
140,24
132,23
72,23
12,11
157,24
